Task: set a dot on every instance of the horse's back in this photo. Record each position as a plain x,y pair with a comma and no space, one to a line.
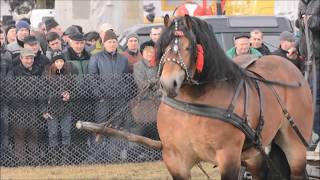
276,68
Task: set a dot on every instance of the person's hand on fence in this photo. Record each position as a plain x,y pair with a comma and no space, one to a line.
47,116
65,96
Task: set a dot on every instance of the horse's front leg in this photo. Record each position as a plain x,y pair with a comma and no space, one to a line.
229,161
178,164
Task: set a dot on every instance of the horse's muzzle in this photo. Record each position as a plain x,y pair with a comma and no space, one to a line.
170,87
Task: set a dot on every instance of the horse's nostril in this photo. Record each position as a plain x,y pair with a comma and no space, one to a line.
175,84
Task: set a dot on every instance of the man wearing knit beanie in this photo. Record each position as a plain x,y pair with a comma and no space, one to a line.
10,32
132,52
23,30
102,30
109,63
53,26
109,60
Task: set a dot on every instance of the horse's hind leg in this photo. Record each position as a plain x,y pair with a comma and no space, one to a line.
229,164
179,167
295,153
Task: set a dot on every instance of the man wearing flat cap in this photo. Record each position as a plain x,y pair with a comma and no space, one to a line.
24,113
66,36
53,26
288,50
40,60
76,53
242,47
26,65
132,52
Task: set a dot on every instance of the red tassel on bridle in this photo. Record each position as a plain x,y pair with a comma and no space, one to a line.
200,58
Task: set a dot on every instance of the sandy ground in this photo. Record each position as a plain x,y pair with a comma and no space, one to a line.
134,171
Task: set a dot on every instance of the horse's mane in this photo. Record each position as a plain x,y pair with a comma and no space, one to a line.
217,65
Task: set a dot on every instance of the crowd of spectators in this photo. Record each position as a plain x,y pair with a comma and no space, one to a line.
59,55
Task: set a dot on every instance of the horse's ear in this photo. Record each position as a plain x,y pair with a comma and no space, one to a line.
188,21
167,20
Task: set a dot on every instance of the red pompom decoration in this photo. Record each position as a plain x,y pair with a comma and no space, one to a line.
200,58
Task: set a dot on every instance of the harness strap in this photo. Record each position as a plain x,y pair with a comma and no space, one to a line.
234,99
261,107
283,84
246,102
211,112
286,113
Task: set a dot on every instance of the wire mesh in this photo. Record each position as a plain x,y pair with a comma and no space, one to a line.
30,139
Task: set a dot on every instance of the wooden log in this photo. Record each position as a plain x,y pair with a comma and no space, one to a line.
105,130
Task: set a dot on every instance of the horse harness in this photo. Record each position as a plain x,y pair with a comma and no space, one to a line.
242,123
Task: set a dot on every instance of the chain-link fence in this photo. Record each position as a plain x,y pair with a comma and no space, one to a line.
38,117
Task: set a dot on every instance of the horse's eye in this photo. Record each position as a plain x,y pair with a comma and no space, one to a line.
187,49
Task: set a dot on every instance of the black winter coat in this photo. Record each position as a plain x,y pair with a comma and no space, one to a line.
309,7
298,62
5,61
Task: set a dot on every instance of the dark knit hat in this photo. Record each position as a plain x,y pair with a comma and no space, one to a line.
50,23
287,36
77,37
22,24
133,35
109,35
57,55
11,26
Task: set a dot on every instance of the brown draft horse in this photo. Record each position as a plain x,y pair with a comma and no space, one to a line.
188,138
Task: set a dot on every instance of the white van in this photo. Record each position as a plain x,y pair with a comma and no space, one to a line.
41,15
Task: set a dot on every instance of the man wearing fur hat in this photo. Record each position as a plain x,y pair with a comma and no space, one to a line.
132,52
23,30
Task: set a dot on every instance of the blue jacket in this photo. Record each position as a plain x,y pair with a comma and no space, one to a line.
106,63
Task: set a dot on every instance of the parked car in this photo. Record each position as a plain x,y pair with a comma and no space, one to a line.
226,27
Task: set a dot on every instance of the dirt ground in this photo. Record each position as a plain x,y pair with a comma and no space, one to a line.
134,171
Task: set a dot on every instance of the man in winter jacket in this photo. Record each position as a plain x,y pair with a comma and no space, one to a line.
256,41
132,52
242,47
288,50
6,59
111,67
23,110
309,16
76,53
23,30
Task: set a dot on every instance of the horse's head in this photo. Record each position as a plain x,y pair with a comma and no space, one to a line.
177,54
188,51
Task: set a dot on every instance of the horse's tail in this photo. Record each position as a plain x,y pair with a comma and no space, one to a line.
103,129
